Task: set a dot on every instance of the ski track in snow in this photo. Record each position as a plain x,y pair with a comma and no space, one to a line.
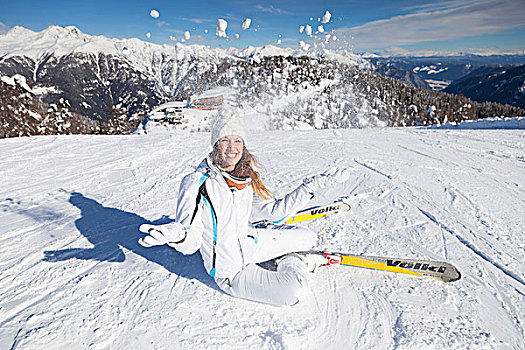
73,275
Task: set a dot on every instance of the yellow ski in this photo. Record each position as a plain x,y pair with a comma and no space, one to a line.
307,214
317,212
442,271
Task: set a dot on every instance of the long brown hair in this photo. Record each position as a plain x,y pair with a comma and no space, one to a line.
245,168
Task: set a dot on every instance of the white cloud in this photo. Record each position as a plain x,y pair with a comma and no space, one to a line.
196,20
399,52
435,22
271,9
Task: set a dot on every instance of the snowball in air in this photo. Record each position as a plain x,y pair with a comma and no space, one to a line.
237,36
221,28
154,13
187,35
320,28
148,35
304,45
247,23
308,30
326,17
301,29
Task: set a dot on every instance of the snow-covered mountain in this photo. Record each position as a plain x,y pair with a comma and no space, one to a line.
308,87
23,113
437,73
502,84
74,277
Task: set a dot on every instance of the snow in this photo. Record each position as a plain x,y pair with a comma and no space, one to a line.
246,23
220,31
62,41
308,30
187,35
73,275
487,123
15,80
430,69
154,13
326,17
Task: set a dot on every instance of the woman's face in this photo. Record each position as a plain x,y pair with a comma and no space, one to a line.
230,151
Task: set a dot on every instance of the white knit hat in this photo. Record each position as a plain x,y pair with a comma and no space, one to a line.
229,122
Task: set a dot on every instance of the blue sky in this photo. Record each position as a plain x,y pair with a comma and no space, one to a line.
376,26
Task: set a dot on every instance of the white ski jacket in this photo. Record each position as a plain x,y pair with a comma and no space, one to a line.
216,218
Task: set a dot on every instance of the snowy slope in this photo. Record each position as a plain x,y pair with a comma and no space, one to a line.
73,276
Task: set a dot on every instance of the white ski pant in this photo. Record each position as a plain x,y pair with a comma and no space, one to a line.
286,286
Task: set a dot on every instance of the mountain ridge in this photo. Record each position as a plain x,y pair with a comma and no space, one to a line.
129,77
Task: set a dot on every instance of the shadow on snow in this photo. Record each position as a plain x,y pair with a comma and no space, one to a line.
111,229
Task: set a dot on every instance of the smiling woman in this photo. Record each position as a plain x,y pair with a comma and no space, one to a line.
213,216
229,151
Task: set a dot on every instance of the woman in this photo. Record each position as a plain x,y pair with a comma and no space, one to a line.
213,211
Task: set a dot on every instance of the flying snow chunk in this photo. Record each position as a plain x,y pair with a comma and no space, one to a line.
221,28
247,23
326,17
303,45
279,42
154,13
148,35
205,31
237,36
187,35
301,29
320,28
308,30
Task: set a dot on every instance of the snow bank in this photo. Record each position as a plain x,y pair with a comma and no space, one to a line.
487,123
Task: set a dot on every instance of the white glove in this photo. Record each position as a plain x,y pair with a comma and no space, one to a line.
331,177
170,234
